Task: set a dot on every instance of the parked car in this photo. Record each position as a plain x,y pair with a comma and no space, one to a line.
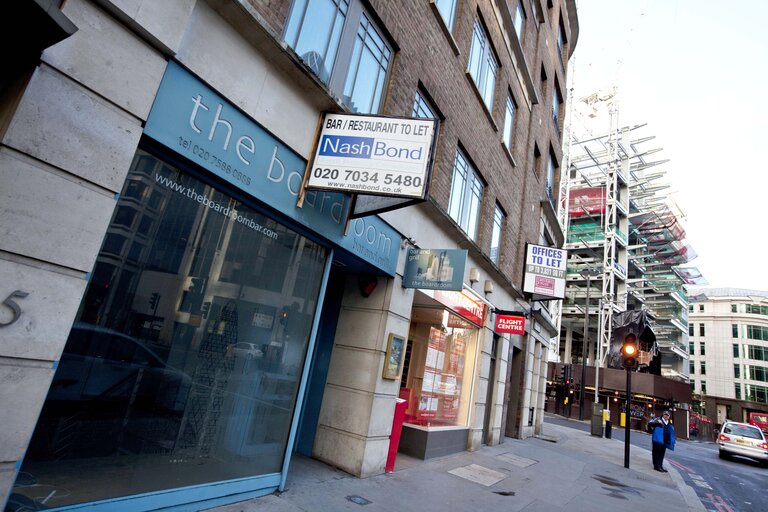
742,439
101,364
760,420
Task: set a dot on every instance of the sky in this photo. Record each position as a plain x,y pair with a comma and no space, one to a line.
696,71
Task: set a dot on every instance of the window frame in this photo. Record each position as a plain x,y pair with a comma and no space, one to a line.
466,208
519,21
449,22
339,76
499,221
479,62
510,116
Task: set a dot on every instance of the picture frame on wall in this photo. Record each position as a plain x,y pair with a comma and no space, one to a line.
393,360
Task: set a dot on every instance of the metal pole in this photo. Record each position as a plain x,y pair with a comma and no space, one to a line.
628,416
598,354
584,355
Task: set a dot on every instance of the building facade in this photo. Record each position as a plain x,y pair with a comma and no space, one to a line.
729,352
175,325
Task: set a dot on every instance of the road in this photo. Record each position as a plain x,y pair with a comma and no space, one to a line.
732,485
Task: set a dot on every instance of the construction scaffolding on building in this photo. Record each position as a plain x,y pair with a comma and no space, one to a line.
623,230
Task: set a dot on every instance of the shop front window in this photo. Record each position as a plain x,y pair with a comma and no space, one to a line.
441,365
184,363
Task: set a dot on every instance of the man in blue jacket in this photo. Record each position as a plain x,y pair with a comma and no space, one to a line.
662,437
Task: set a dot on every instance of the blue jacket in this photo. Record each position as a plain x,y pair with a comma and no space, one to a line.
664,434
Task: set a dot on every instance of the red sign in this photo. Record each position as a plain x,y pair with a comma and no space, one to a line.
464,304
507,324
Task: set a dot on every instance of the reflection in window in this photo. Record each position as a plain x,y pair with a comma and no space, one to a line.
314,31
466,195
368,69
340,44
483,65
184,362
421,107
519,21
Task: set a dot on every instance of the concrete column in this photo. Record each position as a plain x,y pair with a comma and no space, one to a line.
358,404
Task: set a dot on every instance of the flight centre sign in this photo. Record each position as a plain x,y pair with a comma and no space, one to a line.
375,155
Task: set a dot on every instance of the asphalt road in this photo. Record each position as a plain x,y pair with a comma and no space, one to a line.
731,485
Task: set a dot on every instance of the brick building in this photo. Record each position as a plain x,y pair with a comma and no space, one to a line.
175,327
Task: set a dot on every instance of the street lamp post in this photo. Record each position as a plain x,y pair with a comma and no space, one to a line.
589,273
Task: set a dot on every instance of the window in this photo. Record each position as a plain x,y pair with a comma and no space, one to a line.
702,348
551,177
519,21
735,350
756,393
556,101
734,308
701,330
737,390
703,387
447,9
561,42
735,330
691,350
758,373
757,332
509,121
483,64
691,368
701,308
498,225
690,308
703,368
421,107
466,194
319,31
690,330
736,371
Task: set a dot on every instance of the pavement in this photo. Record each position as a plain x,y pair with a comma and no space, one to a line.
561,469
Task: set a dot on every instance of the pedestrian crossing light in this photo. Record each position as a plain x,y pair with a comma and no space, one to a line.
629,351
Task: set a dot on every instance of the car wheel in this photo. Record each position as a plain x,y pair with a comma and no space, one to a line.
722,454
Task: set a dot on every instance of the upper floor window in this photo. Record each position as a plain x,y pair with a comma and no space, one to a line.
702,330
735,330
447,9
519,21
737,371
690,308
690,347
701,308
551,167
341,45
498,225
466,195
556,101
509,121
422,108
483,64
561,43
690,329
702,348
734,308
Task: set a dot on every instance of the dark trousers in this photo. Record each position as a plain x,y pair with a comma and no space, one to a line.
658,450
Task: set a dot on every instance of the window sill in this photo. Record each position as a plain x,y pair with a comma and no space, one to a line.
509,154
488,113
445,29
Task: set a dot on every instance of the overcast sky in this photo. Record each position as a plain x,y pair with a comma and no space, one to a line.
695,72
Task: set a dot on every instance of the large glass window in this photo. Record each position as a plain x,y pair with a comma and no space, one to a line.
340,44
466,195
183,365
483,64
440,368
551,169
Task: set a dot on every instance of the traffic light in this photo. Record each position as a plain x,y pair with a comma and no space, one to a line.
629,351
153,300
561,378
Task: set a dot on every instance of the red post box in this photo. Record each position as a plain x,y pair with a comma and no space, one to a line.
394,438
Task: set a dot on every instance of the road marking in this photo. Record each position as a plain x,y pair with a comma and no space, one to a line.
680,466
719,503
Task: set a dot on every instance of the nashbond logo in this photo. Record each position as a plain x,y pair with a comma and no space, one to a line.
366,147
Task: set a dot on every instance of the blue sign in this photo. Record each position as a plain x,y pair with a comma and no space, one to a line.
350,147
196,122
435,269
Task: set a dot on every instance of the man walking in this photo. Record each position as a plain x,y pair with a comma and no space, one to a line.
662,437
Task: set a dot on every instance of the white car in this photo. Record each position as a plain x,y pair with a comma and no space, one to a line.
742,439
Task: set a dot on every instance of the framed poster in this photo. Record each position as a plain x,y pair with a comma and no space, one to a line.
393,360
